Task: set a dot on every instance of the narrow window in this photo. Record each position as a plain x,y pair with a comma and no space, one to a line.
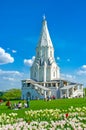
50,53
34,74
54,74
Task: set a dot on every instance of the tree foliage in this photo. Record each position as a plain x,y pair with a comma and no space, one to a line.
12,94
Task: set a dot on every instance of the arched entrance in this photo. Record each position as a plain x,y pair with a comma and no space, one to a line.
28,95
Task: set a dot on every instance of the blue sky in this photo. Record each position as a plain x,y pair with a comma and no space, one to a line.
20,26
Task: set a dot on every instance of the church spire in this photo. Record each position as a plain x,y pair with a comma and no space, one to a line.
45,39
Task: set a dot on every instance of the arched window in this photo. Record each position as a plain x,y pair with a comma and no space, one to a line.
38,53
54,74
50,53
35,74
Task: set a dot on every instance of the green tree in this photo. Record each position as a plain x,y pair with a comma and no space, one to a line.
12,94
1,94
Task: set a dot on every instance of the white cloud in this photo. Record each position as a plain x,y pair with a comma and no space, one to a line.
11,79
14,51
11,73
58,58
84,67
5,58
68,77
29,62
82,70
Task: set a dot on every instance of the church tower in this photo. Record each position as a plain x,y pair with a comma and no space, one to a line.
44,68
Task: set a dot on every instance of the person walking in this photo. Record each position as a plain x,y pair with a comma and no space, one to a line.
28,102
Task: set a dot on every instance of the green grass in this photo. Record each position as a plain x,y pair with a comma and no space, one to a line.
41,104
59,103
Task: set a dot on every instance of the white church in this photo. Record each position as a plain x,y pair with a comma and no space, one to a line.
45,78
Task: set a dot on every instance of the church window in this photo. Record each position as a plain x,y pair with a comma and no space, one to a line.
54,74
50,53
37,53
34,74
40,61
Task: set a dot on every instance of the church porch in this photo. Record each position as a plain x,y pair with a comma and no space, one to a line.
71,91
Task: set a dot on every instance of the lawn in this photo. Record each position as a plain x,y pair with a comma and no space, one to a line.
61,114
41,104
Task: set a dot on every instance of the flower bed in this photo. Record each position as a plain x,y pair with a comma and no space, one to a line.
71,119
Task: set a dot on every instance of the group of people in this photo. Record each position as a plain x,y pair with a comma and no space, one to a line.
1,101
50,98
19,105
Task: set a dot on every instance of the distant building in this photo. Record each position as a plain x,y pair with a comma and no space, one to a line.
45,74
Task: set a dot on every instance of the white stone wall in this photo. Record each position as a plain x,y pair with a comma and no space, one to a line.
34,93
